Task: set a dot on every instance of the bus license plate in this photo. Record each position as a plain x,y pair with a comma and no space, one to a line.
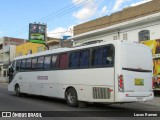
139,82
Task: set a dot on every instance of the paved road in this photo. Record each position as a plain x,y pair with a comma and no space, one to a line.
10,102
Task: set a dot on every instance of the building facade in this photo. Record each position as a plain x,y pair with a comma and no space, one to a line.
125,15
133,24
53,43
29,48
7,54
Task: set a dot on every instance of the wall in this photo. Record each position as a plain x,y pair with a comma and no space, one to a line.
28,46
131,31
118,17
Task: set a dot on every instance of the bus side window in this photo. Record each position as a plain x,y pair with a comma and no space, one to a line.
109,56
28,64
97,55
40,63
18,65
54,61
63,61
34,62
23,65
84,58
47,62
74,60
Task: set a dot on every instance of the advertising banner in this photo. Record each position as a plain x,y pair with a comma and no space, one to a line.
155,47
37,33
156,73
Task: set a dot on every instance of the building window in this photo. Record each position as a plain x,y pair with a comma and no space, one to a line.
19,54
40,49
125,37
4,73
29,52
144,35
115,37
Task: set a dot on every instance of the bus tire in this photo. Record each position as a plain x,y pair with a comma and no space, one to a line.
17,91
71,97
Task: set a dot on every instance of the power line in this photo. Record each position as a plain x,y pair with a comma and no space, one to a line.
112,33
112,22
45,17
104,23
59,13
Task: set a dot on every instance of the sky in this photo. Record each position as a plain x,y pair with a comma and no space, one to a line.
59,15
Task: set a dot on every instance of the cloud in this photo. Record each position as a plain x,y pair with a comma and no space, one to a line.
87,11
118,4
103,11
60,32
92,9
76,2
141,2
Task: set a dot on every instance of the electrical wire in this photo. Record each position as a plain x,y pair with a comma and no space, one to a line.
103,24
120,21
56,14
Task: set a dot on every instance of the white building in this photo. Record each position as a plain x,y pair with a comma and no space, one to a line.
7,54
136,30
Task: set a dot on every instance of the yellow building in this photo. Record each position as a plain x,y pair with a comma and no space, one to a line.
29,48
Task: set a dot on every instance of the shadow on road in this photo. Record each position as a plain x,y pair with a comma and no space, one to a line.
90,106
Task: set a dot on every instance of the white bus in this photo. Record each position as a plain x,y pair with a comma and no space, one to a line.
108,72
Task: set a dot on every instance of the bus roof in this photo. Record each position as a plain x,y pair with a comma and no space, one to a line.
61,50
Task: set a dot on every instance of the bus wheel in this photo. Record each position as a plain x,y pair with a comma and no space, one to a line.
17,91
71,97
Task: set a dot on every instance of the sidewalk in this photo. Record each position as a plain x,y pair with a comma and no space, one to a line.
3,79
